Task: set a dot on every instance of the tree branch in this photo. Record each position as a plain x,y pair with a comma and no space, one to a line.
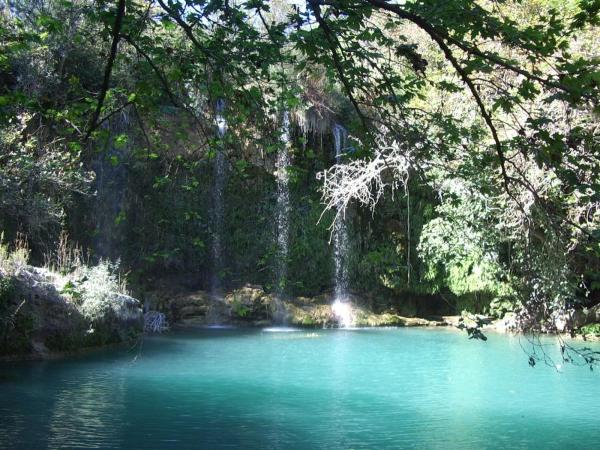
155,68
108,69
333,44
187,29
439,40
427,27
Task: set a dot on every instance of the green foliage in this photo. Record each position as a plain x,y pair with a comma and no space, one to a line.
498,307
15,322
591,329
7,290
496,103
310,267
308,322
239,309
72,290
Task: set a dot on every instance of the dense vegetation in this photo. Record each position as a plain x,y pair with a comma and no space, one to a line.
472,169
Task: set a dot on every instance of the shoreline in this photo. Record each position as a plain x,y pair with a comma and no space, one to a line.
52,356
83,352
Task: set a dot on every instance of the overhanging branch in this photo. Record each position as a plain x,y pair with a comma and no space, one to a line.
336,59
108,69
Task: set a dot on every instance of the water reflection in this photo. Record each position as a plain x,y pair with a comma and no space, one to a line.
88,412
341,389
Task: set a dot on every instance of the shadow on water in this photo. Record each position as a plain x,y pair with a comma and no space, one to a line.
186,410
250,388
189,411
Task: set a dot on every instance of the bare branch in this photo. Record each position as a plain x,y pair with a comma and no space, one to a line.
365,180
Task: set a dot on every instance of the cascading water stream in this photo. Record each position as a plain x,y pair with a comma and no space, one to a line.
111,180
282,212
283,203
341,306
218,205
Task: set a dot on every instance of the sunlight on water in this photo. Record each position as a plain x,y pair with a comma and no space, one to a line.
325,389
281,330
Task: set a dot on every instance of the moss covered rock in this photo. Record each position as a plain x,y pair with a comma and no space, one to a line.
251,303
252,306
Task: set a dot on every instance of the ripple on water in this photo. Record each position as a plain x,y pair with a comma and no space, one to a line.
274,388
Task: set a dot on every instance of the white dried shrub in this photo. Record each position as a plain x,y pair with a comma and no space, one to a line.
366,180
98,288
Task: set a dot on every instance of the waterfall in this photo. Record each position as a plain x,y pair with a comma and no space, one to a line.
283,203
111,180
218,206
341,306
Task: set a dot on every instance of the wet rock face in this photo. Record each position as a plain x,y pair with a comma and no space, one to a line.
252,306
39,320
392,320
309,314
190,307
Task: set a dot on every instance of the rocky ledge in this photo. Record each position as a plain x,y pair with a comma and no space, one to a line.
41,317
252,306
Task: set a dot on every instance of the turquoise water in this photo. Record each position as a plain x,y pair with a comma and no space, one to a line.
375,389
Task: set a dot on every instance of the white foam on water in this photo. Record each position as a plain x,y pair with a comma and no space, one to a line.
281,330
343,311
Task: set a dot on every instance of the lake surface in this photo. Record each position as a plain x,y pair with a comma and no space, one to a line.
322,389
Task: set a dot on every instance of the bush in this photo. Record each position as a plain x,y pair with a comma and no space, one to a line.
591,329
12,261
6,291
96,287
239,309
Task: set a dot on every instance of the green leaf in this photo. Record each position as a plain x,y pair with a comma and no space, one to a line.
120,218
